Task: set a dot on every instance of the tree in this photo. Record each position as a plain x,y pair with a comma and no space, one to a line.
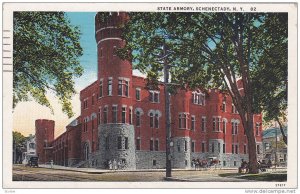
270,79
209,50
18,143
45,58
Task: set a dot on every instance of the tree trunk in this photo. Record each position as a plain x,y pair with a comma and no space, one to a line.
284,137
253,169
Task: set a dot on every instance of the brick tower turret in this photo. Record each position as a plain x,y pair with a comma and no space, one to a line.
44,132
116,132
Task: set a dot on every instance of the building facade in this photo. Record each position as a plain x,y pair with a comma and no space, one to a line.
122,120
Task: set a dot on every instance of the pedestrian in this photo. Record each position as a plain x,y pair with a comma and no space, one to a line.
51,163
115,164
110,165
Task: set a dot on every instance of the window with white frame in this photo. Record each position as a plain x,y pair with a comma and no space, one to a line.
138,118
154,96
216,123
138,94
203,147
85,124
198,98
114,114
156,121
193,122
203,124
193,146
130,115
123,87
124,114
109,87
105,115
183,120
151,119
85,103
101,88
156,145
234,127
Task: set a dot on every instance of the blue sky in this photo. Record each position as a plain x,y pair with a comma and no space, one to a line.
86,23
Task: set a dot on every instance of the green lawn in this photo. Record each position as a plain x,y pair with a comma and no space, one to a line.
278,177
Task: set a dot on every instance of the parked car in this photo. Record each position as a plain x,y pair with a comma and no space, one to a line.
33,161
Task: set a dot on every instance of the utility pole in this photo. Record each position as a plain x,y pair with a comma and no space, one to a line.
168,115
275,148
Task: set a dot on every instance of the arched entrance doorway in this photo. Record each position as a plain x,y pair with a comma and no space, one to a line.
86,151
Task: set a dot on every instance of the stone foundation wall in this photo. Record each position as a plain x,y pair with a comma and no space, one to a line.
150,159
108,145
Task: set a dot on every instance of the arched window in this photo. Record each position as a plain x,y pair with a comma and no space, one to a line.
138,118
151,120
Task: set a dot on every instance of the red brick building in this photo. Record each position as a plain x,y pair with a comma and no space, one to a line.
123,121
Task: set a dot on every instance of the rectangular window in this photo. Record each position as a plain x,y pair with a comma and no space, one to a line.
185,146
193,146
236,128
182,121
178,146
156,145
213,148
123,87
126,143
109,87
156,121
138,94
219,147
224,163
198,98
193,123
130,115
114,51
154,96
107,143
224,148
99,116
236,149
203,147
138,144
101,52
123,114
203,124
219,124
85,125
151,145
119,142
224,106
214,124
85,104
234,163
105,115
120,88
224,127
114,114
154,162
101,89
245,149
232,149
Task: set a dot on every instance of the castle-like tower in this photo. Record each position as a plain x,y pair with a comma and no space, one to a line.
44,135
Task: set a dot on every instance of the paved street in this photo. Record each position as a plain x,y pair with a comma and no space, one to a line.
22,173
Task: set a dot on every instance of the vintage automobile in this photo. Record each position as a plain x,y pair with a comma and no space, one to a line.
33,161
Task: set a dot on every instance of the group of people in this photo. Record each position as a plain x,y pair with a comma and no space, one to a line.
261,166
114,165
197,163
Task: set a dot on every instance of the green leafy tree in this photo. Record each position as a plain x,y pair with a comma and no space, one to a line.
19,141
270,77
45,58
208,50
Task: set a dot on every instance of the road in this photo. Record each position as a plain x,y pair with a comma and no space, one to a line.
22,173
